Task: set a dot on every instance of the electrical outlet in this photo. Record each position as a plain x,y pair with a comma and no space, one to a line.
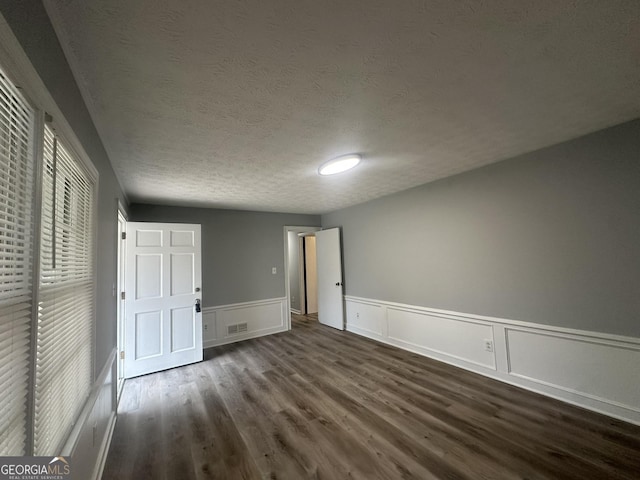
274,270
358,315
488,345
206,327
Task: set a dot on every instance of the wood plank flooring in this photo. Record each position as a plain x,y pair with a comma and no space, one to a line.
319,403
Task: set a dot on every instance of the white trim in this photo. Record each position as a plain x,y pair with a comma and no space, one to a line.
494,320
120,207
365,332
527,360
263,317
121,255
417,348
618,341
241,305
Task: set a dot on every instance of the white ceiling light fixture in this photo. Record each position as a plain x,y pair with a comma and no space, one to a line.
339,164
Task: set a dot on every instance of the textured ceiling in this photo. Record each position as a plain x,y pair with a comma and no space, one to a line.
234,104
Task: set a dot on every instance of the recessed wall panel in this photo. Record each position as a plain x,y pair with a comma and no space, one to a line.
148,334
182,273
577,364
460,339
148,276
182,329
181,238
148,238
364,316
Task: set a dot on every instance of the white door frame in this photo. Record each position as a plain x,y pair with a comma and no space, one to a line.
119,288
302,267
288,229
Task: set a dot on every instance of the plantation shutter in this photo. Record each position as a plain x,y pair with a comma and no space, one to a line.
16,286
64,368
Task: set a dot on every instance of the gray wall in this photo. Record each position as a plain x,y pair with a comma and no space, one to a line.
551,237
239,249
31,26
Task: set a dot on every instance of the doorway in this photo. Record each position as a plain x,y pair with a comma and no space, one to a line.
296,273
309,277
330,291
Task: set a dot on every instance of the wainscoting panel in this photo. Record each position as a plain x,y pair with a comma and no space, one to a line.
581,365
365,318
89,441
460,339
593,370
240,321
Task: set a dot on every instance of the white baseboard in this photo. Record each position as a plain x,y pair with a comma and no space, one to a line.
88,444
262,317
592,370
295,310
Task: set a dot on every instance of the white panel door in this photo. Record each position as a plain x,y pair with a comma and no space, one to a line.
163,322
329,259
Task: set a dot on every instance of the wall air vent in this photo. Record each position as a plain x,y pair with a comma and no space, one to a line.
237,328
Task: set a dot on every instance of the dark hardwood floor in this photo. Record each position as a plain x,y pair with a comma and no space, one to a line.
318,403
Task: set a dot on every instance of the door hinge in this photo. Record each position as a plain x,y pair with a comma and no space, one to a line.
122,355
124,235
122,296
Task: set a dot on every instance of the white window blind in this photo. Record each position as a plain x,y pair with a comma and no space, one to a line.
64,367
16,286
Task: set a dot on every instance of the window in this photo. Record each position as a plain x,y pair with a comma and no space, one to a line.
16,243
64,370
46,321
